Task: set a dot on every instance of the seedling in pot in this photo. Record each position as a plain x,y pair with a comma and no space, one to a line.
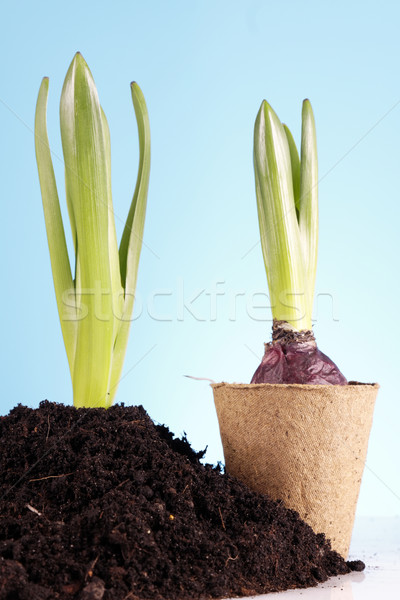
287,434
287,202
95,305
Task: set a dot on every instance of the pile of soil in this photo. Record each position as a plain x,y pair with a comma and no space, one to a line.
106,505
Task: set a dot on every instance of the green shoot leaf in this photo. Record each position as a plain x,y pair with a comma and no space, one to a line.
295,163
132,237
308,213
60,265
86,177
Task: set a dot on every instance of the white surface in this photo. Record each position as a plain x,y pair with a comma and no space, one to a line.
376,541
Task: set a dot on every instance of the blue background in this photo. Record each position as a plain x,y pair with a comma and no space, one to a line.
204,67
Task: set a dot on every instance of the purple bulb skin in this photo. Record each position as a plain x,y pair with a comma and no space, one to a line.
297,362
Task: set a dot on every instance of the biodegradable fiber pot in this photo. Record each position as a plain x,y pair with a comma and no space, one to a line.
303,444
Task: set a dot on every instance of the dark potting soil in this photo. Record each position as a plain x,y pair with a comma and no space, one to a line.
106,505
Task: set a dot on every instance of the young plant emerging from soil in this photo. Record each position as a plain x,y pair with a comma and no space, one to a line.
287,201
95,306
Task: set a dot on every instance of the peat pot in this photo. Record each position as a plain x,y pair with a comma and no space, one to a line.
303,444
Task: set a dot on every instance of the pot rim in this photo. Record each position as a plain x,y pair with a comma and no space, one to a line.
298,386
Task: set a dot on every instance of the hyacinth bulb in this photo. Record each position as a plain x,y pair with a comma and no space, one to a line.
293,357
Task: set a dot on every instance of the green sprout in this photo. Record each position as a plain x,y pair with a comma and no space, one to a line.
287,201
95,306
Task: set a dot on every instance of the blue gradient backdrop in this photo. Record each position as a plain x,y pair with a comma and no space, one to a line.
204,67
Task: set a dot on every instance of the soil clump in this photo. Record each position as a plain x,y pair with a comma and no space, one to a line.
106,505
